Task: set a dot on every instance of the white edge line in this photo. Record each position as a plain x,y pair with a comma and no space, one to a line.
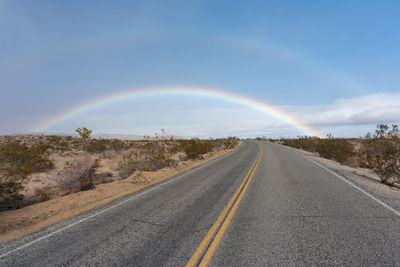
113,206
353,185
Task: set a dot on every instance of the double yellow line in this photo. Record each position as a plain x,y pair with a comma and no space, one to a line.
214,235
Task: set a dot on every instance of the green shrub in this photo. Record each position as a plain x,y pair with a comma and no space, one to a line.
117,145
194,148
128,169
338,149
96,145
17,162
101,145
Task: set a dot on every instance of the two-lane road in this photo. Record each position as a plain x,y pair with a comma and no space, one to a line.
269,208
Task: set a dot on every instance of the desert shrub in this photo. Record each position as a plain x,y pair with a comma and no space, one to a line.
148,146
43,194
146,168
194,148
118,145
174,146
302,142
62,146
338,149
24,159
56,142
159,155
230,142
158,160
388,164
17,161
128,169
383,156
101,145
96,145
104,177
78,176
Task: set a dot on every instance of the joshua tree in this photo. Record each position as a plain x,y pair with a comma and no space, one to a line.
84,133
395,130
381,130
163,133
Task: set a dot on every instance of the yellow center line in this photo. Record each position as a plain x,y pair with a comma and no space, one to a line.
223,220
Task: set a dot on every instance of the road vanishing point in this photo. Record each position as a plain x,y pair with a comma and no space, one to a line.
261,205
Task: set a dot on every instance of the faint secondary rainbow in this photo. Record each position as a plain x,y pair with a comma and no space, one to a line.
181,91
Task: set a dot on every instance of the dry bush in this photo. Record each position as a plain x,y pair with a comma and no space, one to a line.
338,149
78,175
43,193
383,156
230,142
157,154
101,145
17,162
302,142
58,143
128,169
158,160
96,146
104,177
194,148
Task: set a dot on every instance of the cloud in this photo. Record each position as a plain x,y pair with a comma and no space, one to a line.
368,109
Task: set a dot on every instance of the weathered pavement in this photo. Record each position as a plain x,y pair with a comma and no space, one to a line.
292,212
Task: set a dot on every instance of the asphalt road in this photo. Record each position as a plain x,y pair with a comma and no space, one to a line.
274,207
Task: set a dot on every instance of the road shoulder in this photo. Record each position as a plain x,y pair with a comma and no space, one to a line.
363,178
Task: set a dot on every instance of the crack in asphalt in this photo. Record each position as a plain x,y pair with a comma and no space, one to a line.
202,229
147,222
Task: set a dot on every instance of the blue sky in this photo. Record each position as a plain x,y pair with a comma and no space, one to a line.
306,57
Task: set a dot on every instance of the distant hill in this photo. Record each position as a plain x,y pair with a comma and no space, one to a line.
117,136
96,136
127,136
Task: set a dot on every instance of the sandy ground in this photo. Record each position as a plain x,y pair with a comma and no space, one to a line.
18,223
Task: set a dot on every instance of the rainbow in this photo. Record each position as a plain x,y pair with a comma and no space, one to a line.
182,91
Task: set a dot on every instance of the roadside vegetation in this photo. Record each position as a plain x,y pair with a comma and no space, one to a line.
35,168
379,151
